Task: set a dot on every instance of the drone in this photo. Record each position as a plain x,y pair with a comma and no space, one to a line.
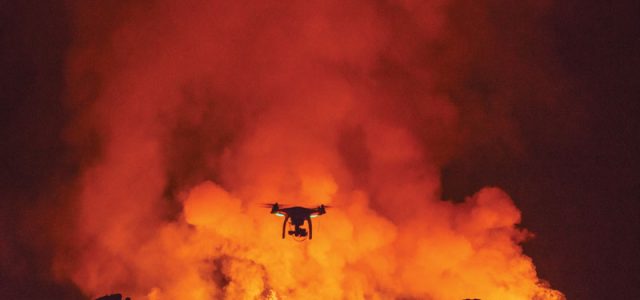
298,215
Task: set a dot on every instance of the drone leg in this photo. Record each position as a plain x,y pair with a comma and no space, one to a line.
284,225
310,228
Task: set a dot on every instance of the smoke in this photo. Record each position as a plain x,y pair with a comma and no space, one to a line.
198,111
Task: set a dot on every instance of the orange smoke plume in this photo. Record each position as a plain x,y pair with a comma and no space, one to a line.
203,109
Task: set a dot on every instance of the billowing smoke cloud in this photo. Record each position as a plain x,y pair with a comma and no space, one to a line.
200,110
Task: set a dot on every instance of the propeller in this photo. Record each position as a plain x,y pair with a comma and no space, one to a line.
275,207
322,208
270,205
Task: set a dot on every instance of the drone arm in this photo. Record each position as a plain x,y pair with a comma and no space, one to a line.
310,227
284,225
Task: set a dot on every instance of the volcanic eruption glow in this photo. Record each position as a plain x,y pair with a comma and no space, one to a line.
201,110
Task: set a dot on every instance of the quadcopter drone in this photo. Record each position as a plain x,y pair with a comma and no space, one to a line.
297,215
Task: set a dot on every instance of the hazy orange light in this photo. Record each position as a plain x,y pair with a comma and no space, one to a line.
278,103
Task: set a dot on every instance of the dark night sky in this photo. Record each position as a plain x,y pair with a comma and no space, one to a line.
578,188
580,193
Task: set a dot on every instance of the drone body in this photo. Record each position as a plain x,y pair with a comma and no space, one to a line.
297,215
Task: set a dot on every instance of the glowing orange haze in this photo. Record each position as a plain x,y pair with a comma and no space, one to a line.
203,110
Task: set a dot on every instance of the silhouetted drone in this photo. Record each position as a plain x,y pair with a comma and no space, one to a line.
297,215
